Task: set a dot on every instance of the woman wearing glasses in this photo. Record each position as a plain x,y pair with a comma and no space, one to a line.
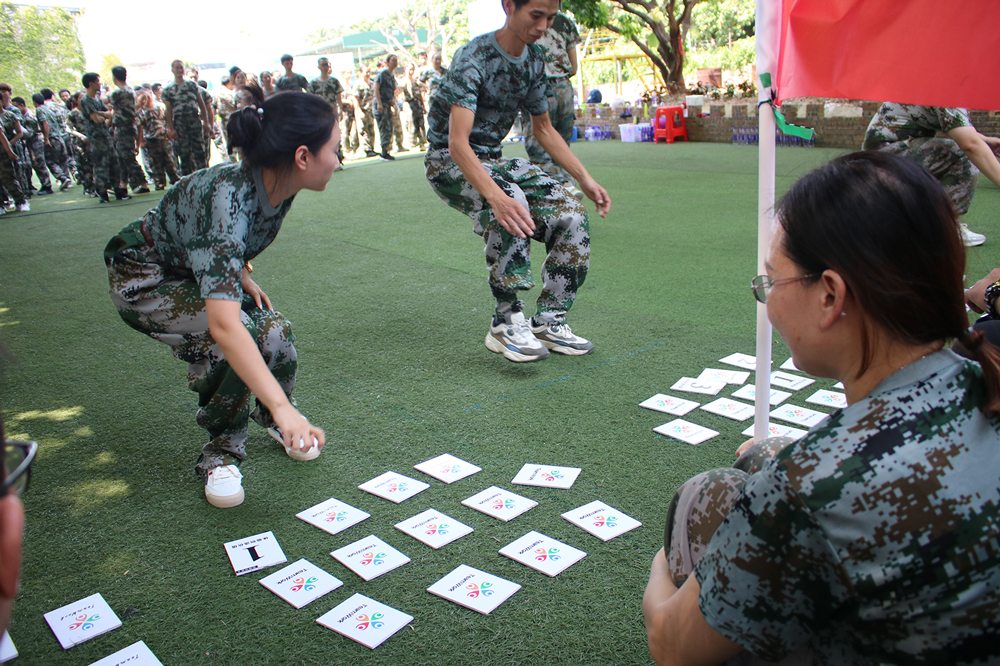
874,538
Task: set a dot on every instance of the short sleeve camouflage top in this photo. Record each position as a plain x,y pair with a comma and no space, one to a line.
386,86
555,45
44,113
183,98
874,539
214,221
89,105
10,119
293,83
152,122
123,101
328,89
432,79
29,123
494,85
899,122
363,93
59,116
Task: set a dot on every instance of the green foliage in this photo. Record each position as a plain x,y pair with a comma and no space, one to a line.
109,60
736,56
719,22
39,49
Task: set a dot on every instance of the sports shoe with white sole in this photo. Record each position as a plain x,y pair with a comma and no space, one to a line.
296,454
514,340
25,207
224,486
969,237
559,338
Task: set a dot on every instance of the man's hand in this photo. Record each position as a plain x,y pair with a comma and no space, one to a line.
598,195
975,296
513,217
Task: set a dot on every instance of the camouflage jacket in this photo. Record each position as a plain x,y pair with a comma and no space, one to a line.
183,98
328,89
494,85
29,124
153,122
873,538
900,122
227,105
89,105
555,45
385,83
58,116
10,118
293,83
363,93
413,94
432,79
123,102
76,122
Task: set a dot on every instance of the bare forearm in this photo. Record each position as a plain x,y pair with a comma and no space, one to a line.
556,147
241,353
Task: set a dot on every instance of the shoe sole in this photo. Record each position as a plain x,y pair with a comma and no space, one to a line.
565,350
225,501
973,243
497,347
308,454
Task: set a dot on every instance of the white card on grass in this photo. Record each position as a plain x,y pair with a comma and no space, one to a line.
546,476
333,516
301,583
777,430
744,361
447,468
828,399
690,433
82,620
474,589
370,557
662,402
727,376
394,487
785,380
542,553
137,654
691,385
839,385
499,503
7,649
749,392
731,409
433,528
254,553
601,520
789,365
365,620
798,415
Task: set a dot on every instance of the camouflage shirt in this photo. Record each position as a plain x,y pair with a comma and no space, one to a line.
293,83
58,116
328,89
363,93
211,223
153,122
29,124
89,105
183,98
874,538
385,83
10,119
494,85
432,79
899,122
123,101
45,113
75,121
555,45
227,105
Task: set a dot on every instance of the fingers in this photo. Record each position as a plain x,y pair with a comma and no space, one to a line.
267,301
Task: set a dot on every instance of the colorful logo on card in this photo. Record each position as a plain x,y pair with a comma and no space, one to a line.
542,554
374,621
401,487
451,469
438,529
601,521
334,515
551,476
503,504
301,583
84,622
371,558
684,429
476,590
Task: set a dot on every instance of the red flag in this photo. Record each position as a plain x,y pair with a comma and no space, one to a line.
912,51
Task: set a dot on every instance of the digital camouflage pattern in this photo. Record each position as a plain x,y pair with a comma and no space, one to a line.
189,146
124,123
328,90
89,105
123,102
99,146
492,84
154,134
34,140
84,167
873,538
413,96
562,114
432,79
293,83
385,84
555,45
183,99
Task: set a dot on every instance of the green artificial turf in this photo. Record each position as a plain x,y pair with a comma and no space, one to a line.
386,289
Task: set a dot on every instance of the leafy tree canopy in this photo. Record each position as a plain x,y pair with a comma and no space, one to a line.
39,49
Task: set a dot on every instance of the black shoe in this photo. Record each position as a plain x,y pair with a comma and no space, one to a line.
386,157
371,153
103,197
45,190
142,190
122,194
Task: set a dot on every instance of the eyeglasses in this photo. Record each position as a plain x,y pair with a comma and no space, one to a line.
761,284
18,457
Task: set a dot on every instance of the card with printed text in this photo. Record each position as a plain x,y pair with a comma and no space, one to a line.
499,503
254,553
542,553
727,376
749,392
301,583
433,528
687,432
370,557
601,520
777,430
333,516
789,365
828,399
744,361
365,620
447,468
394,487
7,649
797,415
546,476
785,380
474,589
137,654
662,402
82,620
731,409
691,385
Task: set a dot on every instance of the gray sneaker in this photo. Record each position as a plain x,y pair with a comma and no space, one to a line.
514,340
559,338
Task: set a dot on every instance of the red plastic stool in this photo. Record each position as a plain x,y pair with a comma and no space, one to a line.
670,123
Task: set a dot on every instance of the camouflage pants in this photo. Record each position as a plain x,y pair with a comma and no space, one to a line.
562,114
560,222
57,158
84,167
384,130
397,130
160,161
22,168
946,161
8,179
348,131
419,138
190,144
366,128
104,162
125,152
170,309
36,146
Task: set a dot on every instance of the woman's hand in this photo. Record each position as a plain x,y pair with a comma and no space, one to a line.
296,431
250,287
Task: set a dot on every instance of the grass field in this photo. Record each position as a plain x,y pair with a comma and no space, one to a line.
386,290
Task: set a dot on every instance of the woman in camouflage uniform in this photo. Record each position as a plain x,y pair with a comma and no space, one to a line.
153,136
76,127
181,275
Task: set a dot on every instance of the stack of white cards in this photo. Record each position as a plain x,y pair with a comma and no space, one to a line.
474,589
394,487
447,468
254,553
499,503
137,654
370,557
547,476
365,620
542,553
601,520
82,620
433,528
333,516
301,583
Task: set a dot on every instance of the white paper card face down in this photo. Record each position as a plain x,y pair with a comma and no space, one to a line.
499,503
394,487
828,399
798,415
82,620
333,516
749,392
744,361
687,432
542,553
137,654
794,382
365,620
447,468
433,528
777,430
254,553
474,589
731,409
662,402
691,385
546,476
727,376
7,649
370,557
601,520
301,583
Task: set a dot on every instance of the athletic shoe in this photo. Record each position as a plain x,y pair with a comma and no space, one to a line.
142,190
25,207
3,211
224,486
386,157
561,340
121,194
45,190
971,238
371,153
575,192
66,184
301,454
514,340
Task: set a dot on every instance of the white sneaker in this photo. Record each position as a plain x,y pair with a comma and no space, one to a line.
296,454
25,207
514,340
971,238
224,486
559,338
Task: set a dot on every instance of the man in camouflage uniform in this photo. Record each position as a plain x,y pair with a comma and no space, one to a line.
212,107
15,135
363,111
226,108
413,95
558,46
510,200
53,125
432,76
385,103
76,127
188,122
290,81
34,141
329,88
956,159
99,145
348,128
9,157
123,123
